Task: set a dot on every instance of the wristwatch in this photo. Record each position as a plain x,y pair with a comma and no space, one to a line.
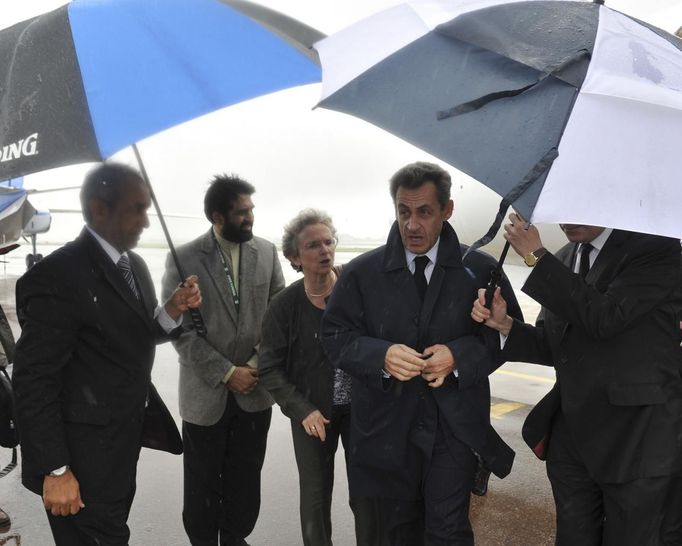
534,257
59,471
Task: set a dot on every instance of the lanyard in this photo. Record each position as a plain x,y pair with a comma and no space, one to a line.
226,268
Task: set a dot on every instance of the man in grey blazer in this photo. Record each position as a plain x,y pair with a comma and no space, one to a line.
226,414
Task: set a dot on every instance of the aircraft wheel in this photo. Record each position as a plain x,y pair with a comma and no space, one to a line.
32,259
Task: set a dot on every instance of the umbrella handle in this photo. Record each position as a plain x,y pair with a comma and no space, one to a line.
195,314
495,277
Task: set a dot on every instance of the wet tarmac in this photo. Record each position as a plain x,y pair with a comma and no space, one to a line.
517,511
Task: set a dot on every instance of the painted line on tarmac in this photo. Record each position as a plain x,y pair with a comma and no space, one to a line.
521,375
499,410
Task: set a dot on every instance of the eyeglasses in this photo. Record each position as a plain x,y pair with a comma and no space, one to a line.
314,246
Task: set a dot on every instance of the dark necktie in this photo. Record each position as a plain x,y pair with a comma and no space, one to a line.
420,263
585,249
123,265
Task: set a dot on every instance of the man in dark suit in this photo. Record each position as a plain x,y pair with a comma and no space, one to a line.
611,426
82,371
399,324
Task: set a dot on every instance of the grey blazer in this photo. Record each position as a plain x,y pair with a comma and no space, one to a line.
233,336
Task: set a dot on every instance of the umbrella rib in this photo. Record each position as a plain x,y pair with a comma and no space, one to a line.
480,102
536,172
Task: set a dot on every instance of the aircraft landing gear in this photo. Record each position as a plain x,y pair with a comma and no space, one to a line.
34,258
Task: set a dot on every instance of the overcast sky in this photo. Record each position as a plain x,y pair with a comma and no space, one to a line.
295,156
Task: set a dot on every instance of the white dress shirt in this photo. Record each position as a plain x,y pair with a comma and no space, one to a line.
432,255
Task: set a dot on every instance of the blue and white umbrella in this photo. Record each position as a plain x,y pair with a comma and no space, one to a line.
569,110
84,81
90,78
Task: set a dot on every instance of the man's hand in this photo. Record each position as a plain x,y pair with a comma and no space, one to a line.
439,363
523,237
243,380
61,494
496,317
184,297
403,362
314,425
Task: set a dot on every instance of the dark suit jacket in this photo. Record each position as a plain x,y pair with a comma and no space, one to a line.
82,371
374,305
614,340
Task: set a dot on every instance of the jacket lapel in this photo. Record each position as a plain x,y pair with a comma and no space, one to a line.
216,273
608,255
248,261
146,288
112,275
567,256
449,257
394,262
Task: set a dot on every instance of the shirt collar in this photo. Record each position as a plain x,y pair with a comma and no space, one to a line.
432,254
600,240
114,254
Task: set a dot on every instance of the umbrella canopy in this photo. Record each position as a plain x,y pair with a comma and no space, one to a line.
84,81
569,110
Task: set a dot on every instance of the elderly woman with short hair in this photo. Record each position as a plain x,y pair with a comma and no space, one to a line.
294,369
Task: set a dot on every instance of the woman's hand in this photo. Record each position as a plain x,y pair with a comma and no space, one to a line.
314,425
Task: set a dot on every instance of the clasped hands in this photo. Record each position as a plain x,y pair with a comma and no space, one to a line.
243,380
434,364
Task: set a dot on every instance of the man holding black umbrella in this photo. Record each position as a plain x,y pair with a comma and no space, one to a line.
82,370
611,428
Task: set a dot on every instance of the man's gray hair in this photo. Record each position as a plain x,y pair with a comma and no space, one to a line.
305,218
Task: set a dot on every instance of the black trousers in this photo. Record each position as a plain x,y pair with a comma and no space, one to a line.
98,524
590,513
315,462
671,529
441,516
222,467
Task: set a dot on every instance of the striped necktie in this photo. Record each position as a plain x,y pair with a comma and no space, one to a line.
123,265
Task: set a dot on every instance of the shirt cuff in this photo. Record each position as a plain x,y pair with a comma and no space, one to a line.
253,361
165,321
227,376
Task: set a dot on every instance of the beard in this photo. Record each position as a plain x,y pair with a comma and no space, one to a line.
237,234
